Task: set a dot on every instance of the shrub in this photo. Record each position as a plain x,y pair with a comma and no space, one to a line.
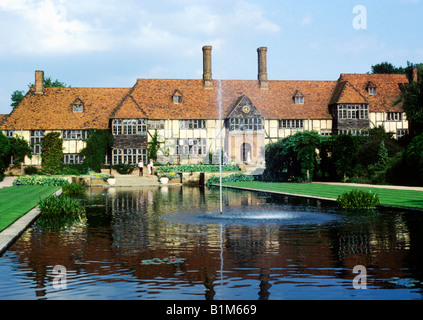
98,145
31,170
237,177
197,168
124,168
73,189
39,181
358,199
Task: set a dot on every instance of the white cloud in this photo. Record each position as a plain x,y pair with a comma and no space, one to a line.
60,26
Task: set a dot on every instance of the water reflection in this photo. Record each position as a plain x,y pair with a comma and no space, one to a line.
171,243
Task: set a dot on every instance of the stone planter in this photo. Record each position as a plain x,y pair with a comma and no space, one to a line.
164,180
111,181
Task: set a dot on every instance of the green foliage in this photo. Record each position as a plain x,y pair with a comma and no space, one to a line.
360,199
52,153
73,189
39,181
153,146
98,145
4,154
19,149
30,170
236,177
17,97
58,211
196,168
293,156
414,156
387,68
124,168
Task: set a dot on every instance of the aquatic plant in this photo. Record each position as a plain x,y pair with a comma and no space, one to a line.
236,177
358,199
60,207
73,189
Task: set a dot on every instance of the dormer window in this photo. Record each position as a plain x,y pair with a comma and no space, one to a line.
372,91
371,87
298,97
177,97
299,100
78,106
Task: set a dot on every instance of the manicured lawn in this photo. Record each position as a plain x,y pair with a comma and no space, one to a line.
16,201
400,198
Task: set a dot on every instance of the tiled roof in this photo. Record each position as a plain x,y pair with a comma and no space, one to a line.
154,97
3,117
353,88
54,109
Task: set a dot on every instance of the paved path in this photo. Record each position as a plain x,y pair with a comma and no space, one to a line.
7,182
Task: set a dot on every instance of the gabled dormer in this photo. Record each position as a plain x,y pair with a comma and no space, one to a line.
371,88
298,97
78,106
177,97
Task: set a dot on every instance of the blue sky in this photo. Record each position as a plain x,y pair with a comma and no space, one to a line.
111,43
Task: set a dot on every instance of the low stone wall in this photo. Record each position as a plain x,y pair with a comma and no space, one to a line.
200,178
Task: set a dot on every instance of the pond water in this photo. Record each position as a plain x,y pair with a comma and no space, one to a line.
171,243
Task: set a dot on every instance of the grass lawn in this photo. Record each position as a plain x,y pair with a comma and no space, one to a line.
398,198
16,201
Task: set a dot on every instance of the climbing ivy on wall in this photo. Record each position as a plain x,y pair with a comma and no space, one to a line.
98,145
52,153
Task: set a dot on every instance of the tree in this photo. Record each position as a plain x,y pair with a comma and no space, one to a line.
387,68
18,95
19,149
153,146
52,153
411,98
4,153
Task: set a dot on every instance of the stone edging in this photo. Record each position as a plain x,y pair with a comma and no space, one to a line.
11,233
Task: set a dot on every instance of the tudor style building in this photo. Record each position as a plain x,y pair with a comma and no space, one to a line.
196,118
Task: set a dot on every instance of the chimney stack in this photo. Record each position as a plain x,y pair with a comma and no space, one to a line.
262,68
39,82
414,75
207,68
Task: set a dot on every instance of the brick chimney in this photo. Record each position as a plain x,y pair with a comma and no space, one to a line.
39,82
207,68
262,68
414,75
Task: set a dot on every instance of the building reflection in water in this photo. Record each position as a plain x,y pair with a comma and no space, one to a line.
221,258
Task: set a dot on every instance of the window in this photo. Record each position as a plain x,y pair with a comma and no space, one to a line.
129,156
78,108
299,100
177,99
354,132
394,116
35,141
155,124
245,124
372,91
353,111
75,134
193,124
9,133
129,126
71,158
192,147
325,132
292,124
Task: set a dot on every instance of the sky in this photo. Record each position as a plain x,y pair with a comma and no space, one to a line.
112,43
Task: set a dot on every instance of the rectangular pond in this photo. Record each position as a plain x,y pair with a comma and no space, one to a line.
171,243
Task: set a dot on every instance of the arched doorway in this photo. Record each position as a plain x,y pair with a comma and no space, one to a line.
246,152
